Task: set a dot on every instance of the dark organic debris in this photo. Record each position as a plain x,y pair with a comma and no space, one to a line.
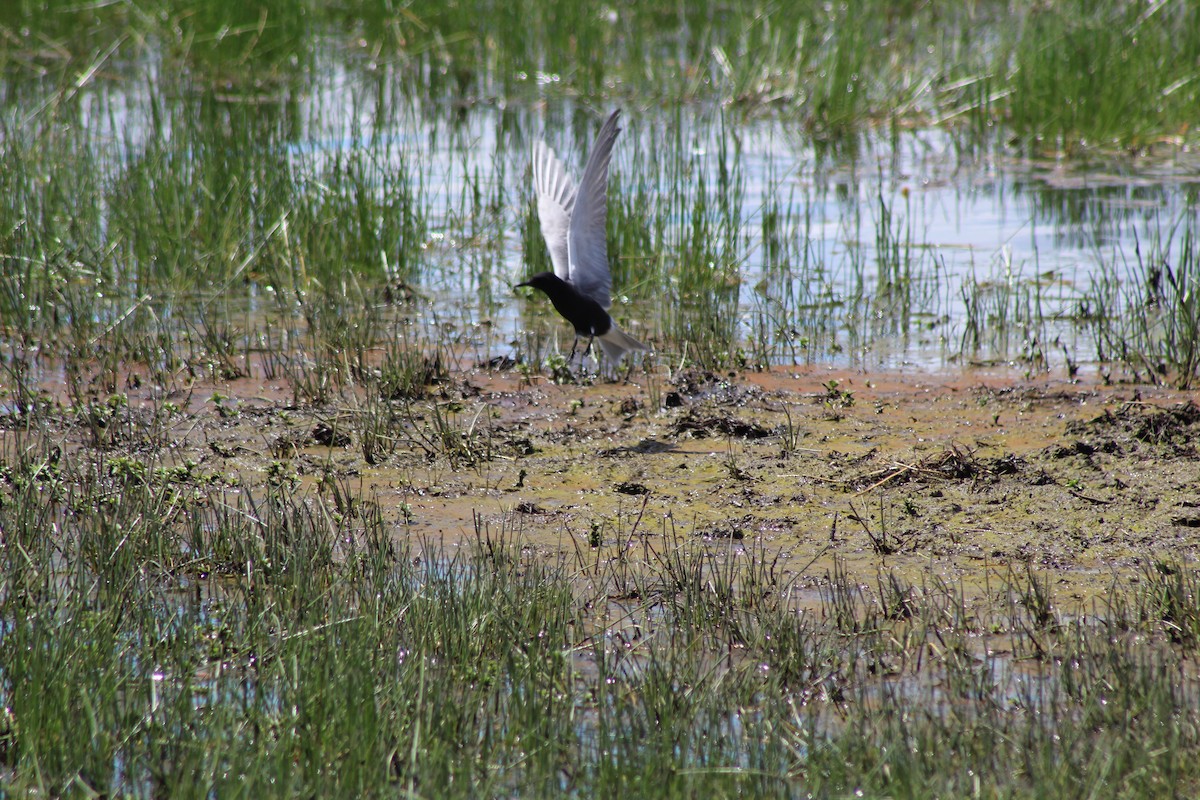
1042,478
644,447
1082,448
1031,395
289,444
729,533
1175,429
522,446
328,436
498,363
1169,425
727,529
529,508
1006,465
955,463
704,385
632,487
701,426
672,399
839,460
692,382
629,407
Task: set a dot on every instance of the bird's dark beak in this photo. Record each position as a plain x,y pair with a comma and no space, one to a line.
519,285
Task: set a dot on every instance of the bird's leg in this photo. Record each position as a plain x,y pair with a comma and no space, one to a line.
574,344
586,352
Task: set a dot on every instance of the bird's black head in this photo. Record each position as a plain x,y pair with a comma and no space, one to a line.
543,280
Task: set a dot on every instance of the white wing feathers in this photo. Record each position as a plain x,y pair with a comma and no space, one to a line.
555,199
573,220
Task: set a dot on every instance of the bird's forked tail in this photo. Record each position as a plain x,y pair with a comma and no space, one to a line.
617,343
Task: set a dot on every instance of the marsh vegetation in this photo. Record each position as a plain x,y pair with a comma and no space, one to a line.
297,497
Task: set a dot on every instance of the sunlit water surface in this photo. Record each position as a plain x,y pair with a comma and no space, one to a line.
908,248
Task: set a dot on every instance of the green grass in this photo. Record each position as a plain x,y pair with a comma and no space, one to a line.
1150,320
173,172
334,200
1104,74
285,645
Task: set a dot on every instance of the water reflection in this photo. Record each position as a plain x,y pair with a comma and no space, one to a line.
298,157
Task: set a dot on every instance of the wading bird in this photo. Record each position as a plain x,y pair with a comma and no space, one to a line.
572,221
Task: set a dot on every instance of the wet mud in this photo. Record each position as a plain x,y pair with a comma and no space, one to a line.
960,478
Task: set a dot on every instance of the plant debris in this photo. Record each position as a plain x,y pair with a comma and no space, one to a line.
695,423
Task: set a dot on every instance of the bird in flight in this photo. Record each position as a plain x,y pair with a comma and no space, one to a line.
572,221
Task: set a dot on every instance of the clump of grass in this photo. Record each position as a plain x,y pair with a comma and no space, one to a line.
1005,315
1102,74
1170,597
446,431
1150,323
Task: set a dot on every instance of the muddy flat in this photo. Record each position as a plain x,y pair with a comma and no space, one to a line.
961,477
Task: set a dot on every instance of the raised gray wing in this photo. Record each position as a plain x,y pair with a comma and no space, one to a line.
555,199
586,241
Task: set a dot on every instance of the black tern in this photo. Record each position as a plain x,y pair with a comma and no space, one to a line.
572,223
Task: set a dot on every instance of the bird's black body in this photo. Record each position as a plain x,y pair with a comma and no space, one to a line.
573,224
584,313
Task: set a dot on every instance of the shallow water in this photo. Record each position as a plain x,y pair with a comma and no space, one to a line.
1022,238
888,249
